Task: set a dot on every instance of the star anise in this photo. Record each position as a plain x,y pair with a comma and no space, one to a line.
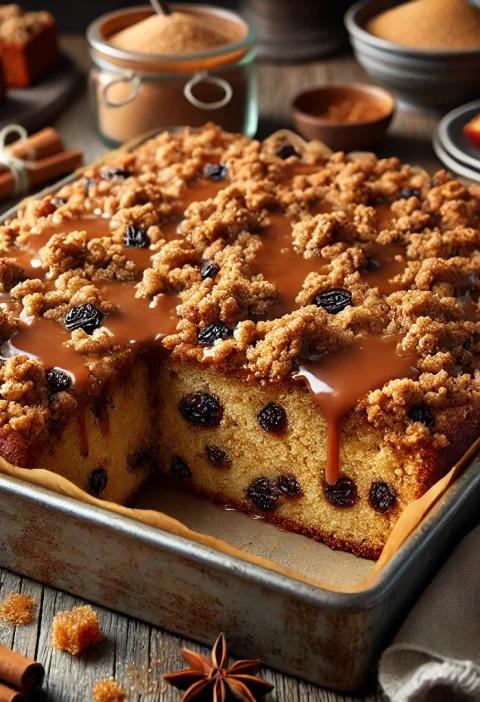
211,680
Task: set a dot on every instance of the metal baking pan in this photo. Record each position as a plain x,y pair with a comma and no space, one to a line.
329,638
326,637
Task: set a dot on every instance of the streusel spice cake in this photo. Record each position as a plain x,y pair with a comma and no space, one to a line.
28,45
290,334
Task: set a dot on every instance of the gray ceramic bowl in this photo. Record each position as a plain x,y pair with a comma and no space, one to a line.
418,77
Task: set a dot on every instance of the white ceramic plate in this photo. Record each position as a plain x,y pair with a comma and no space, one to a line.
454,165
452,139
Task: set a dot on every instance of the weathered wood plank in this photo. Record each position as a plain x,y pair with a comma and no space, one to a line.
9,583
26,637
135,653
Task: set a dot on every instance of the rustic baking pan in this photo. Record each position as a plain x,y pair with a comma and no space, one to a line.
329,638
325,636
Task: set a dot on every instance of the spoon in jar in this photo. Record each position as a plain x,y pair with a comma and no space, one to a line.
161,7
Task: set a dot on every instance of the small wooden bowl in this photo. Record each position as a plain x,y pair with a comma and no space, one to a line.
310,107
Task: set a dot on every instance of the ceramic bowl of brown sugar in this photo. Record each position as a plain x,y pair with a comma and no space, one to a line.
344,116
426,52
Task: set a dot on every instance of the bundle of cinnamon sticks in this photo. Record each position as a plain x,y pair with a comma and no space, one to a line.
20,677
45,159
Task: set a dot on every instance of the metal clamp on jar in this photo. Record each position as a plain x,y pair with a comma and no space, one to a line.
134,93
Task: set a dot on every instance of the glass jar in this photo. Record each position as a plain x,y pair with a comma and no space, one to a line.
133,93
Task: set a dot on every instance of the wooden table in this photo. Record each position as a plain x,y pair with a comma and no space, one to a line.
135,653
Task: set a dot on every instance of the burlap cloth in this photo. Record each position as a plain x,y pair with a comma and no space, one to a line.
438,645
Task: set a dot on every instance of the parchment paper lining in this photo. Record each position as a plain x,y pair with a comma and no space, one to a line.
290,554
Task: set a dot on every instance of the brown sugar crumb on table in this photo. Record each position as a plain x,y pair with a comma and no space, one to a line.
108,691
17,609
76,630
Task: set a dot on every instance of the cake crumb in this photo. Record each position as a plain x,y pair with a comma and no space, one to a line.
76,630
108,691
17,609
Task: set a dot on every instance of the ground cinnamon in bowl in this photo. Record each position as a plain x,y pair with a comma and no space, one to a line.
350,111
439,25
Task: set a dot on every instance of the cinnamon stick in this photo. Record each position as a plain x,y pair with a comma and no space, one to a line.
44,143
8,694
51,167
43,170
21,672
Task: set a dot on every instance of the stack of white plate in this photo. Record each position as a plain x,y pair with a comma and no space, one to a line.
451,145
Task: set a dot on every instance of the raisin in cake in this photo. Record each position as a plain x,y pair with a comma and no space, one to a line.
292,334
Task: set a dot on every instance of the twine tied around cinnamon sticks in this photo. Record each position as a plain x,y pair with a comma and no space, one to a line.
20,677
33,161
15,165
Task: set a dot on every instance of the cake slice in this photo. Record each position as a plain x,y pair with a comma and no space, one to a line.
291,334
28,45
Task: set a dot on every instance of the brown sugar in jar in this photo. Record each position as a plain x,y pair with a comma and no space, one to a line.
180,33
152,72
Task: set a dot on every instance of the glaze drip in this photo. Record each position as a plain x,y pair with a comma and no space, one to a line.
336,382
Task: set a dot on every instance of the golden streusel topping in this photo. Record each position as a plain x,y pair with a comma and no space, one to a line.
17,27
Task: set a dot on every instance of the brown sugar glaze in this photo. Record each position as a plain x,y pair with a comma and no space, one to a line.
135,321
280,264
336,382
387,262
45,340
344,377
28,257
